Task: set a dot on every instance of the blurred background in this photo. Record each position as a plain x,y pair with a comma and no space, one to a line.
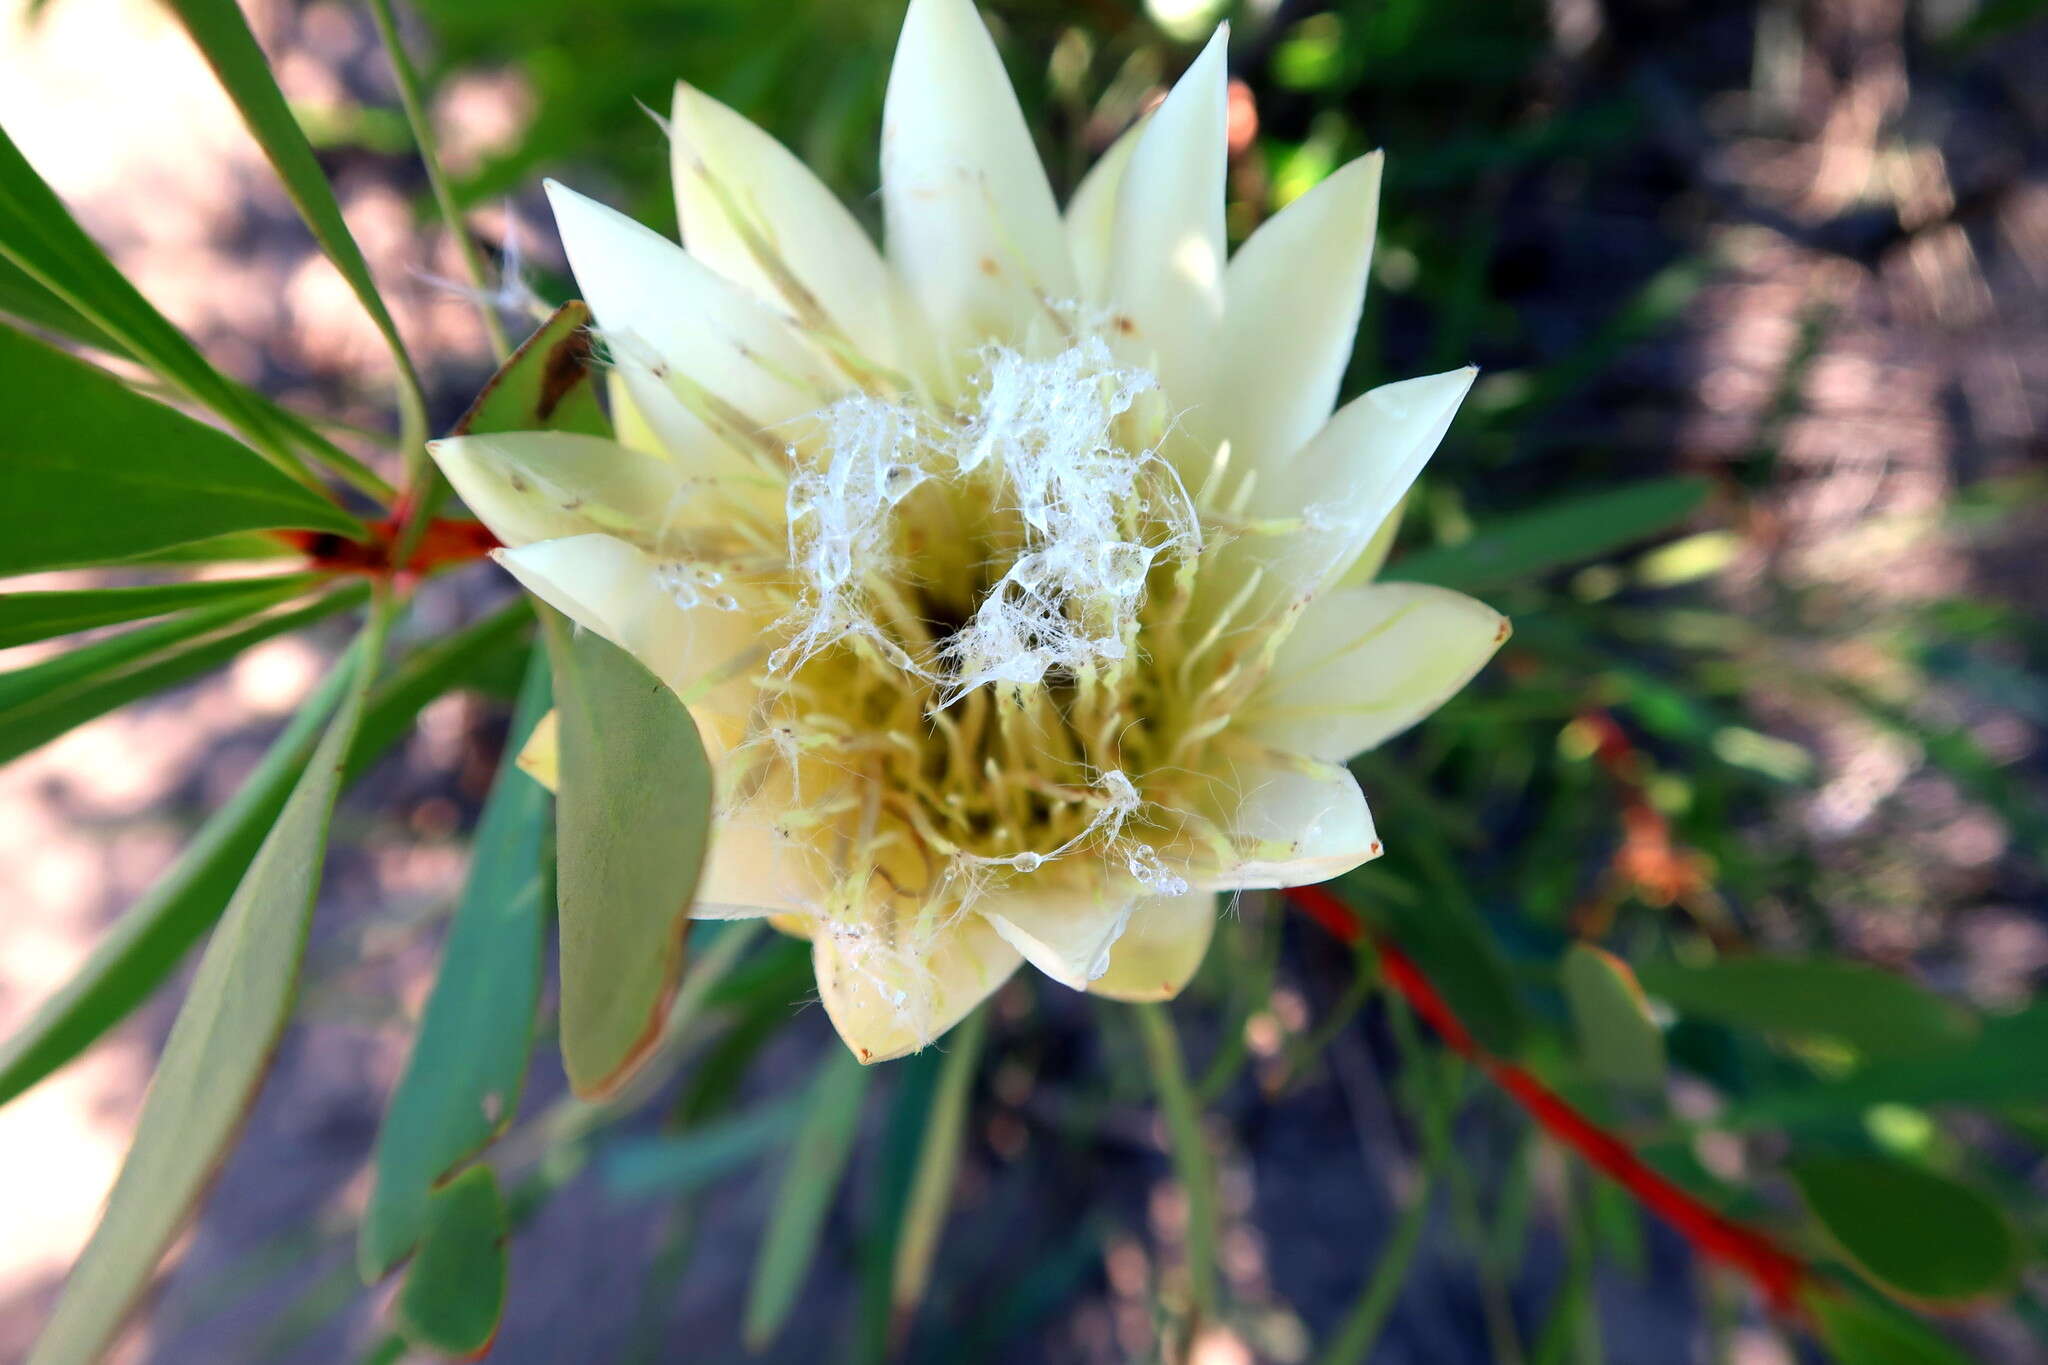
1760,293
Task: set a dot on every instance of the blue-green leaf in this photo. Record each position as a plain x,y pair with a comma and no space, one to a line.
633,812
809,1180
462,1083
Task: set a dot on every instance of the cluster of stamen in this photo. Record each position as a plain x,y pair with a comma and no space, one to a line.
984,673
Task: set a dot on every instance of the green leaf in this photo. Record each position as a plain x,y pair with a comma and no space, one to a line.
1920,1236
633,811
223,37
454,1294
1617,1038
1463,960
91,471
635,1168
1859,1332
2001,1068
44,700
218,1050
462,1083
1359,1331
1519,548
23,296
1876,1012
40,239
938,1161
152,938
235,548
809,1180
877,1331
30,616
548,384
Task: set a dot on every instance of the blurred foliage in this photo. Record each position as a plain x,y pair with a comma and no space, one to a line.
1611,793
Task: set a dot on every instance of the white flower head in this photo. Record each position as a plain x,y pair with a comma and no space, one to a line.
1013,577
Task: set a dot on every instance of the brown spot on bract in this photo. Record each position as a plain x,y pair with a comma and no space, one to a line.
866,1055
568,365
989,266
1375,846
1503,632
1124,325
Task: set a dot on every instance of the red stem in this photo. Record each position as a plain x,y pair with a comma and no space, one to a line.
445,541
1778,1274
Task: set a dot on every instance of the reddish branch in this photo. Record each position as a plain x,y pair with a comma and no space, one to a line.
1778,1274
446,541
1650,863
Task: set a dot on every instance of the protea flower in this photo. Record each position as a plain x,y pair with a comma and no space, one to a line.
1014,577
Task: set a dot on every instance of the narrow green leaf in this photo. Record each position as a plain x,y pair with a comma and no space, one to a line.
1464,961
549,384
2001,1068
635,1168
153,937
462,1083
1518,548
1918,1235
235,548
454,1294
570,1119
809,1180
31,616
22,296
1859,1332
1876,1012
95,660
938,1161
91,471
41,240
885,1184
413,97
218,1050
1359,1331
632,815
224,39
1617,1038
44,700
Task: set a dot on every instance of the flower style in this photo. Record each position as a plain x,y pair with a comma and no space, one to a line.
1017,580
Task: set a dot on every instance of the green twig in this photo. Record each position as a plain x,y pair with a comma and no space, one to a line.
412,96
938,1159
1190,1152
1356,1335
1439,1109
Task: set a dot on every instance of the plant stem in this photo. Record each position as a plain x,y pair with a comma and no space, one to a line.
1190,1153
1435,1091
1356,1335
412,96
938,1159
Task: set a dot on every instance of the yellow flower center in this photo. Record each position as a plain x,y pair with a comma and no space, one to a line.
986,669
